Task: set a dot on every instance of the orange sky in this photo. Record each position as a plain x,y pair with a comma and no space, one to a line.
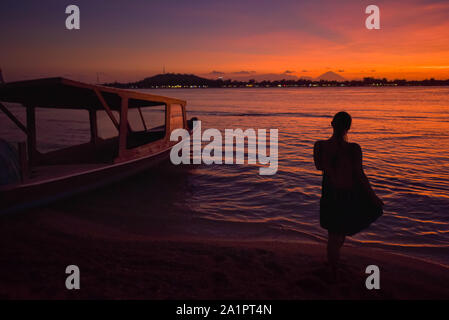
127,41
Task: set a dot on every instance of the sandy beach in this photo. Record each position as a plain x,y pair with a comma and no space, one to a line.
118,263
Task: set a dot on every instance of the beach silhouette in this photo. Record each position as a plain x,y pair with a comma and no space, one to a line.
348,203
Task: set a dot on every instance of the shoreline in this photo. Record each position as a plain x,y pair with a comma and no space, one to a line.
286,87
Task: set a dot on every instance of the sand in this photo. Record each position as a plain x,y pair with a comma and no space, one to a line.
118,263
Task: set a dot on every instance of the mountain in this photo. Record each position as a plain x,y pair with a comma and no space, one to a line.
173,79
330,76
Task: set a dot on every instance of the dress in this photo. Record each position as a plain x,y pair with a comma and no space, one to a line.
346,211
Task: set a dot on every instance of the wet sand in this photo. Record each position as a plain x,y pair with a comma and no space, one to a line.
116,262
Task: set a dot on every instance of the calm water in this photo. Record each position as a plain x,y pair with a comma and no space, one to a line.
404,134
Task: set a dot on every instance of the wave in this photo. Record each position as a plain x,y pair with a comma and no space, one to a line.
309,115
258,114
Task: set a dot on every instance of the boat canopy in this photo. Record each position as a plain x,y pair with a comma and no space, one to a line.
63,93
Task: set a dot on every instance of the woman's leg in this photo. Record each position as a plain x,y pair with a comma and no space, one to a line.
334,244
332,248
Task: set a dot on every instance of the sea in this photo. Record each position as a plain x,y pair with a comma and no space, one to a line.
403,132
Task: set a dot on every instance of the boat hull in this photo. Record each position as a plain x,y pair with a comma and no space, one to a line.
40,193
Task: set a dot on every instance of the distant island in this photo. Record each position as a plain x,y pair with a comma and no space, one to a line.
329,79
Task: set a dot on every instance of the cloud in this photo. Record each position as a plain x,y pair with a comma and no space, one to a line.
216,73
266,76
341,70
288,72
245,72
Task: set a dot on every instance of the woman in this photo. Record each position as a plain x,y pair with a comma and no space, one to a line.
348,203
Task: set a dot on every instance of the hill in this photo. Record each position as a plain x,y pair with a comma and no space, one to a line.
170,80
330,76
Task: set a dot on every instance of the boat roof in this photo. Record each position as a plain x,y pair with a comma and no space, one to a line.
63,93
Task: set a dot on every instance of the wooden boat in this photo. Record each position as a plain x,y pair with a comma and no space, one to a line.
45,177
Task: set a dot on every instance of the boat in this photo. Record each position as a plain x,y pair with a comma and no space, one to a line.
48,176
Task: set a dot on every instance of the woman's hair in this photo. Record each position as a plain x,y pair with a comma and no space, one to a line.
341,124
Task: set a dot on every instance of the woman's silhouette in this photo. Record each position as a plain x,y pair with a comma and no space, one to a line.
348,203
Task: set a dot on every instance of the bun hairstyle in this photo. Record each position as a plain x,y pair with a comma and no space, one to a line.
341,124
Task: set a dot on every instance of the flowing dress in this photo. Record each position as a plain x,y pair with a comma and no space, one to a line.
348,210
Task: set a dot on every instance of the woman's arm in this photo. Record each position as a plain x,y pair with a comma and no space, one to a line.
317,155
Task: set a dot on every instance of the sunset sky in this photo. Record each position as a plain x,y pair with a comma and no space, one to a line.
129,40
